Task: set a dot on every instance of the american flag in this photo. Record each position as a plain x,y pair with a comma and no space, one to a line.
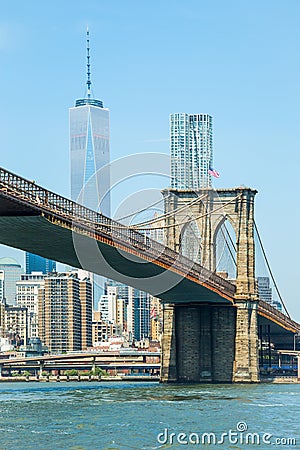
152,313
213,172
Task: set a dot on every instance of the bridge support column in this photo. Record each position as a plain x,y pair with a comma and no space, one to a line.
223,338
168,357
193,344
41,368
198,343
94,365
246,364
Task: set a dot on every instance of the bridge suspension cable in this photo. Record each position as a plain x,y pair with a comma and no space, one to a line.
154,204
230,238
139,211
227,244
192,219
270,271
171,213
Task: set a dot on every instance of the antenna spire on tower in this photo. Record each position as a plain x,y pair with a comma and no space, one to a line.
88,64
89,98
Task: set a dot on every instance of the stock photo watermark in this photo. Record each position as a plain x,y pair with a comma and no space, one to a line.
238,436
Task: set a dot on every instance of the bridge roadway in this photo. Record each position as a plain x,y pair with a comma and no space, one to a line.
39,221
36,220
134,360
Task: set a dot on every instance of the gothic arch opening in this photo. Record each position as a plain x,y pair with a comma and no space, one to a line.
190,242
225,249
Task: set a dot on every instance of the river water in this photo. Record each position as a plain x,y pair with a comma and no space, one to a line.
113,415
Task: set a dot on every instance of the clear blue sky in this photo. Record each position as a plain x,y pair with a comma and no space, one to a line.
236,60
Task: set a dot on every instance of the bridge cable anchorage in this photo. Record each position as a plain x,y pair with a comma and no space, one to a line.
171,213
186,221
270,271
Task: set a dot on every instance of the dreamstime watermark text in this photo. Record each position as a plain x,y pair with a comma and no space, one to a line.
239,436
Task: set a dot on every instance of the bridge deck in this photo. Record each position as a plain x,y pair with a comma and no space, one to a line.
39,221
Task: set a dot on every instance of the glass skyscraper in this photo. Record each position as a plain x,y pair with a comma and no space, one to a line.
90,156
36,263
89,150
191,150
12,273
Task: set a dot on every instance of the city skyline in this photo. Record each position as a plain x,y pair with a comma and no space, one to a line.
250,89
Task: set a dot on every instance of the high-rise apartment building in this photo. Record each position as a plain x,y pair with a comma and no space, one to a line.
86,316
265,292
15,325
12,273
111,307
65,312
89,150
132,310
2,297
264,289
27,296
36,263
191,150
155,318
141,315
2,319
103,330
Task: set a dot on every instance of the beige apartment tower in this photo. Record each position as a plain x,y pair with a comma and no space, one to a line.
65,312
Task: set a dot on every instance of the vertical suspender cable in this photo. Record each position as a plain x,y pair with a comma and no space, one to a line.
270,271
228,246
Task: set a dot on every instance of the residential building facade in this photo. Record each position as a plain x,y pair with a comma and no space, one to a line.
15,325
191,138
27,296
65,312
12,273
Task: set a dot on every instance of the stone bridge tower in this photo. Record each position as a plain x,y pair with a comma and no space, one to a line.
199,215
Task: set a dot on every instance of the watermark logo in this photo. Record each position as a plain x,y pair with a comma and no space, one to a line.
238,436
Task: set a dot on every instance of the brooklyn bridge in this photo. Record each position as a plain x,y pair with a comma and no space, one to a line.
213,327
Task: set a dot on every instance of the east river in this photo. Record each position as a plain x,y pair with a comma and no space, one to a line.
114,415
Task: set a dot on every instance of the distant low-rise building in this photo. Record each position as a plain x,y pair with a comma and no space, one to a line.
103,330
